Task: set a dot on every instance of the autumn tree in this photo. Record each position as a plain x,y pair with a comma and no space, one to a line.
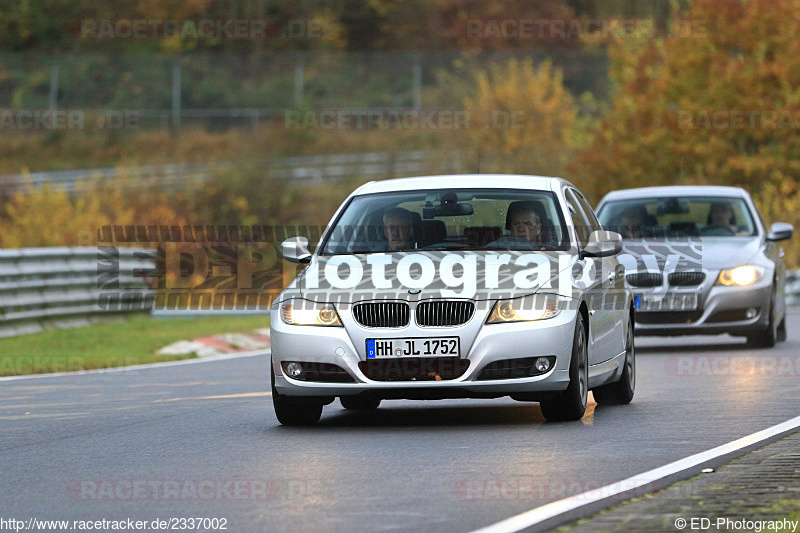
715,102
523,120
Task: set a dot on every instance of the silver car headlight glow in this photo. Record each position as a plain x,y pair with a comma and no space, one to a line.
740,276
525,309
299,312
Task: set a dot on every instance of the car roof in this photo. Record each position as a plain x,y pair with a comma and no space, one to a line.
675,190
464,181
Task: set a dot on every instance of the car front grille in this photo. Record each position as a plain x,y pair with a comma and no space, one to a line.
686,279
381,314
645,279
414,368
445,313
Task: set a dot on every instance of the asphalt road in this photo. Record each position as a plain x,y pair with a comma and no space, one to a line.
202,440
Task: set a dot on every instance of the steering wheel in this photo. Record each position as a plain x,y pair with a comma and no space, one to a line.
719,230
512,242
446,245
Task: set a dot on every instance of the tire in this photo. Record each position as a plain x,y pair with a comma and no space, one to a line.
295,411
782,330
360,403
571,403
768,337
621,392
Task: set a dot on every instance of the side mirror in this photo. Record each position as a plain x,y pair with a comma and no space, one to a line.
780,231
602,244
296,250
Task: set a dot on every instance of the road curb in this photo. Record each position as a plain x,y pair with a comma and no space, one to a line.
568,510
768,472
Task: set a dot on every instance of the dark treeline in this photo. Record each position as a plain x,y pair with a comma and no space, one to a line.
354,25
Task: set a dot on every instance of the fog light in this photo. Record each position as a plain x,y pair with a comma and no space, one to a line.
294,370
751,313
542,364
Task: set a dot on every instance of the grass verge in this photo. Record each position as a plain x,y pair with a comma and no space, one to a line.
132,342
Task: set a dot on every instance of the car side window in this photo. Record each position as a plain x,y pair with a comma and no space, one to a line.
589,212
582,228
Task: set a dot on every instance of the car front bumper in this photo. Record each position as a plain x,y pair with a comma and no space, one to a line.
481,344
723,310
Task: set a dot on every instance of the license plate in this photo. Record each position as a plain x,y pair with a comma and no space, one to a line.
415,347
668,302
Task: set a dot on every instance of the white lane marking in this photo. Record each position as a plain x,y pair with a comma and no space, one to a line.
554,509
132,368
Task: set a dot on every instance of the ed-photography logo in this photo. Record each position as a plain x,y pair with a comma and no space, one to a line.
242,267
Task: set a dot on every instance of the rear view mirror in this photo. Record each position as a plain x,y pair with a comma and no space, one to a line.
296,250
602,244
672,206
780,231
448,210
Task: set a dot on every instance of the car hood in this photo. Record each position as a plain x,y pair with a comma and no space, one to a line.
709,253
540,269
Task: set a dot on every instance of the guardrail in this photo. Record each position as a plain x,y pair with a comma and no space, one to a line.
301,170
71,287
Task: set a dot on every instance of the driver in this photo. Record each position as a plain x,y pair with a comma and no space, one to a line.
721,214
632,220
524,221
398,228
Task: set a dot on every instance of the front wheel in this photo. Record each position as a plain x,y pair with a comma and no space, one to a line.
295,411
768,337
571,404
620,392
782,330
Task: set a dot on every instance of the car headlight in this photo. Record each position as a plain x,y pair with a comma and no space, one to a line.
740,276
307,313
525,309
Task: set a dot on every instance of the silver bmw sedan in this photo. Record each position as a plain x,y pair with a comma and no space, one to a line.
477,286
701,260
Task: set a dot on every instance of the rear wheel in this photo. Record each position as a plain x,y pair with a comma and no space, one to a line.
295,411
571,404
360,403
621,392
768,337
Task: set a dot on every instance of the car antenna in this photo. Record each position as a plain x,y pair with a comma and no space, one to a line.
478,166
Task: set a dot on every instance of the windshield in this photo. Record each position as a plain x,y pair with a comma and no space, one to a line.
678,217
451,219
